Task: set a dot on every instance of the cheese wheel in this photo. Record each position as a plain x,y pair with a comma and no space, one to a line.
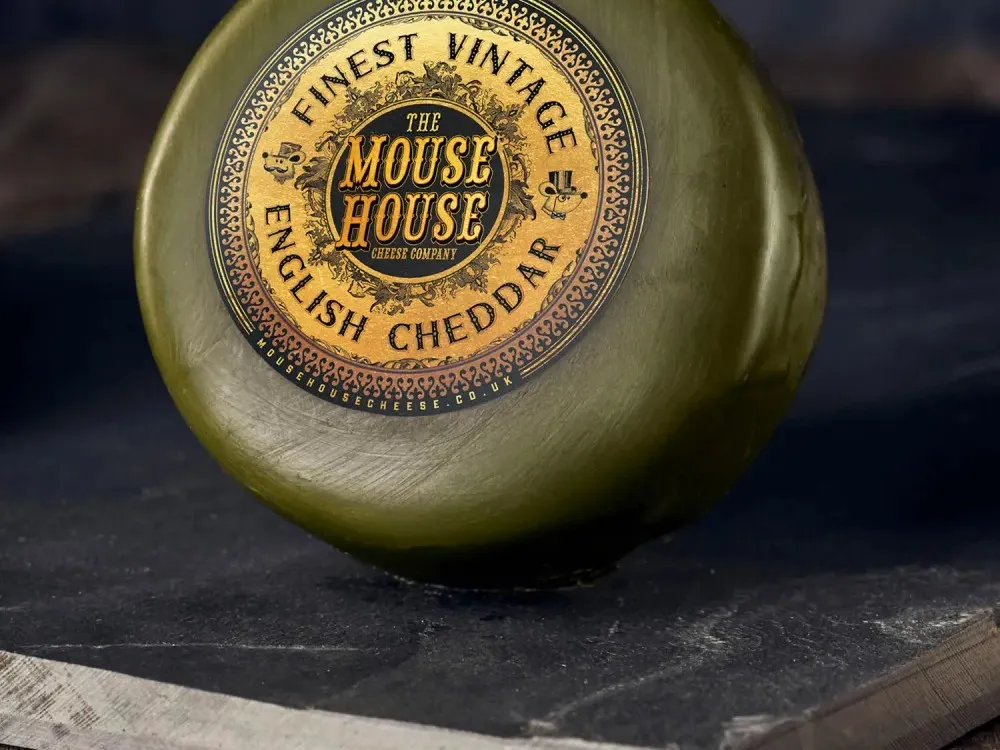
486,293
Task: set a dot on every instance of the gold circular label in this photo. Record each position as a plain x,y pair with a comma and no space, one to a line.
418,204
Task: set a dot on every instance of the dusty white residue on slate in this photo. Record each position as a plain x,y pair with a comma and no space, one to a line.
699,645
926,625
744,729
220,646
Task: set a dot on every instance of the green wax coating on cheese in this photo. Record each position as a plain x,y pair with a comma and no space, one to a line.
658,407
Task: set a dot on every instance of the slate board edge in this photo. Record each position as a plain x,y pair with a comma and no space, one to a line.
48,705
926,705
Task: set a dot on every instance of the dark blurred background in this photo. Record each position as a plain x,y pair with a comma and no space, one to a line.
769,22
888,460
896,100
83,81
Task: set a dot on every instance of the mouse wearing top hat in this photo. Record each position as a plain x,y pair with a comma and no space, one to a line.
562,196
282,165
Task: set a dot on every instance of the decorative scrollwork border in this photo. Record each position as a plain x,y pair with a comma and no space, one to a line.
574,300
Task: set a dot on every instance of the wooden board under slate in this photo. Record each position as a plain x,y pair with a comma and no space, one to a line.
864,539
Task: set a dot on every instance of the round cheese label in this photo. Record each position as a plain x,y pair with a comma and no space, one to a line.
418,204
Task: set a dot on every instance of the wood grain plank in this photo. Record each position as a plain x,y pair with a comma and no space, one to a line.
987,738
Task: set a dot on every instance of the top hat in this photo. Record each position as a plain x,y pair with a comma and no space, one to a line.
562,181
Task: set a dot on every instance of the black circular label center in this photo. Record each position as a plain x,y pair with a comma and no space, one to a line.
418,191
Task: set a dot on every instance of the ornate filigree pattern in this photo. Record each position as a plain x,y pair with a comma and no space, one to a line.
617,138
439,81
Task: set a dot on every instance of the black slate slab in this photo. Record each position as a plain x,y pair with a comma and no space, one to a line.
866,535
